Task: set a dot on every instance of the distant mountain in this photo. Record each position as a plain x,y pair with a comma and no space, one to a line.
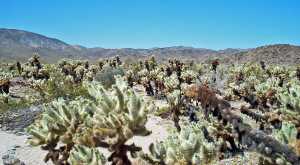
20,45
271,54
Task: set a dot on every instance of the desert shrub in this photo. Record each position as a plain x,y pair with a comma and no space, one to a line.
162,110
12,105
106,76
59,86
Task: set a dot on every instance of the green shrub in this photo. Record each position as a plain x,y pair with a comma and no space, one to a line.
106,76
58,86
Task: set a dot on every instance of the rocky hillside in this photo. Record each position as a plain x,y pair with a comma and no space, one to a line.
20,45
272,54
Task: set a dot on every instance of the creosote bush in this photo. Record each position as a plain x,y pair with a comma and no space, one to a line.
106,77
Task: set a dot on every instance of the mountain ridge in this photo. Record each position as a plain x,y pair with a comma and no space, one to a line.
20,45
272,54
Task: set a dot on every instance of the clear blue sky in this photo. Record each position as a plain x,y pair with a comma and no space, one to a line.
214,24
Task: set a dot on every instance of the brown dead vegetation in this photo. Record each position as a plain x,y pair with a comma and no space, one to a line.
215,63
246,134
208,99
4,86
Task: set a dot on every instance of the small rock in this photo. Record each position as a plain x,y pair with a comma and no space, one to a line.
16,146
8,159
0,126
9,152
30,137
10,148
19,129
12,161
9,132
5,156
5,129
20,133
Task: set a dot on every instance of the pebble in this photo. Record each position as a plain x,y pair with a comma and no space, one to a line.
9,131
16,146
30,137
5,129
20,119
5,156
11,160
20,133
10,152
20,129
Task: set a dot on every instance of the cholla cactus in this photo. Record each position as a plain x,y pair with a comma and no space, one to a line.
39,85
222,70
88,76
252,81
176,102
189,76
87,156
228,94
287,135
160,81
187,147
129,76
215,63
218,131
171,83
5,75
101,62
80,71
262,89
4,82
277,70
147,84
205,80
70,79
238,73
117,119
93,69
152,63
143,73
4,97
114,117
290,103
184,87
200,69
153,73
291,97
59,122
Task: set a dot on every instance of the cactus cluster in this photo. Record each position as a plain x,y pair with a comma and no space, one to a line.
290,103
187,147
33,69
287,135
108,122
176,101
75,130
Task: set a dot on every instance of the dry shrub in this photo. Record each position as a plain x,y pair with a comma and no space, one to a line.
208,99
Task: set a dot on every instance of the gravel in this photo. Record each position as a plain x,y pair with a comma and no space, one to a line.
19,119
